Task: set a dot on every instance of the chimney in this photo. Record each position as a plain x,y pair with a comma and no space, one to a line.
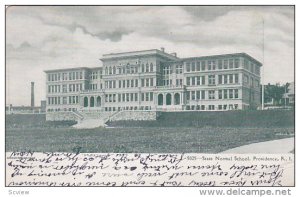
162,49
174,54
32,94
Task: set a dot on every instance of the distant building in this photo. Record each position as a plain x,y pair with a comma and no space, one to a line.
156,80
289,96
10,109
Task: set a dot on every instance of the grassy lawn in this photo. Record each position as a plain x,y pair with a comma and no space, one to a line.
139,140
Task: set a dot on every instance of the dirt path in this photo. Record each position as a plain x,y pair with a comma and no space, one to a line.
270,147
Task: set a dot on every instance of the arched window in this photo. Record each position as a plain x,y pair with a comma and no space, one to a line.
147,68
85,102
160,99
168,99
98,101
92,104
110,70
177,98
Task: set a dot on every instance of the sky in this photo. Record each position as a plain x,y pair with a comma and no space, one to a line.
52,37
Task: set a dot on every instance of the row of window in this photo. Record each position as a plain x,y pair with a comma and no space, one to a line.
213,107
129,83
129,69
65,76
222,79
65,88
128,97
251,82
222,94
251,67
127,108
63,100
53,88
212,65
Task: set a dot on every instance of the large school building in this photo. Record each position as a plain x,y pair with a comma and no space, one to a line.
157,81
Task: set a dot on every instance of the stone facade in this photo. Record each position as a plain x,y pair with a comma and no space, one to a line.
153,80
135,115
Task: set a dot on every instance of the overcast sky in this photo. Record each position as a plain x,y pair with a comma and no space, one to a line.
41,38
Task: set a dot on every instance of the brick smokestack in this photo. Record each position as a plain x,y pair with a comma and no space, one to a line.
32,94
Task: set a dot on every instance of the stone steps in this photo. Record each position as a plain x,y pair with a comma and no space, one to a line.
90,124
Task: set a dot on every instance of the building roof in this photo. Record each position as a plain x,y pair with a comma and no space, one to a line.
138,53
66,69
224,55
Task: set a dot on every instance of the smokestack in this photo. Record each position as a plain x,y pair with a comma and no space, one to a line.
32,94
162,49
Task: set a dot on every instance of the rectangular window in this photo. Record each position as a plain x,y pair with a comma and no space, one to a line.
211,107
225,79
246,64
178,69
231,78
203,80
198,95
236,63
211,80
225,94
188,95
143,83
220,79
220,94
193,66
188,67
65,100
142,97
230,93
198,80
236,78
203,65
202,94
193,95
246,79
188,82
236,93
230,63
225,64
219,107
209,65
132,83
128,83
220,64
193,81
211,94
198,66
